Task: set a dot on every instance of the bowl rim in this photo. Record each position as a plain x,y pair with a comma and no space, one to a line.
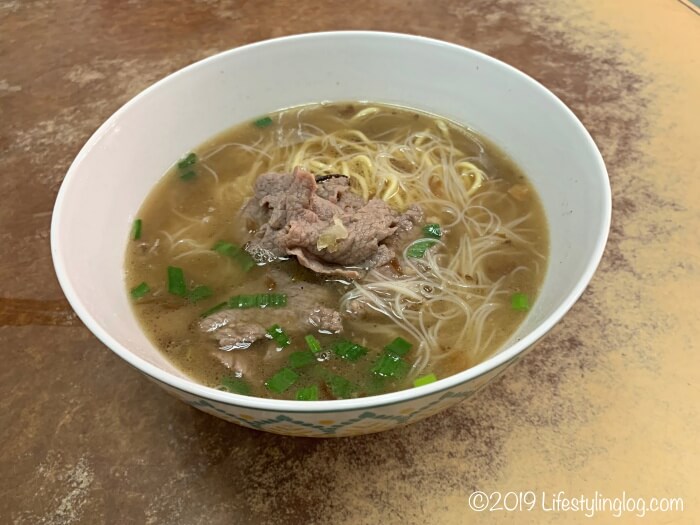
496,361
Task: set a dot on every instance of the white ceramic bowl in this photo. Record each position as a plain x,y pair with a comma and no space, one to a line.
126,156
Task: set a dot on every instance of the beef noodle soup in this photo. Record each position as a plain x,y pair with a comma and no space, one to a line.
334,251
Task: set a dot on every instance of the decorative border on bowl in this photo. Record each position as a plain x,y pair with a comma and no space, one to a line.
332,427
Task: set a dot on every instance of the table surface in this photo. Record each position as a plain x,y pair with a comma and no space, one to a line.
606,405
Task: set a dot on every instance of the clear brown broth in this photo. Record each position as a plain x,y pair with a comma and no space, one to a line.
191,212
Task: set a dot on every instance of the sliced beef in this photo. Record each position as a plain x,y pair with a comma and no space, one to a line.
367,227
382,257
412,216
337,191
356,309
233,329
238,329
268,192
405,231
309,308
296,216
247,364
316,265
326,320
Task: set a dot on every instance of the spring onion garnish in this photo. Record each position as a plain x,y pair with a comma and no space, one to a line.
238,254
301,359
187,161
242,301
348,350
139,291
178,286
313,344
276,300
198,293
261,300
424,380
432,230
245,261
340,387
519,302
418,248
136,230
390,365
185,168
235,385
398,346
176,281
224,248
214,309
310,393
278,335
282,380
262,122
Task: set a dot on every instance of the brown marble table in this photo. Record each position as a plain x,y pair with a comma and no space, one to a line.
606,405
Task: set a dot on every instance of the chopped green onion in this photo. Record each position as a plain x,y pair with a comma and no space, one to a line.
340,387
301,359
214,309
187,161
199,292
432,230
136,230
278,335
390,365
245,261
310,393
185,166
261,300
418,248
348,350
242,301
243,258
425,380
236,385
224,248
282,380
276,300
263,122
519,302
139,291
176,281
313,344
398,346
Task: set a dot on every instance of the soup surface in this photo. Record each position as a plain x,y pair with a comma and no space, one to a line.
458,260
